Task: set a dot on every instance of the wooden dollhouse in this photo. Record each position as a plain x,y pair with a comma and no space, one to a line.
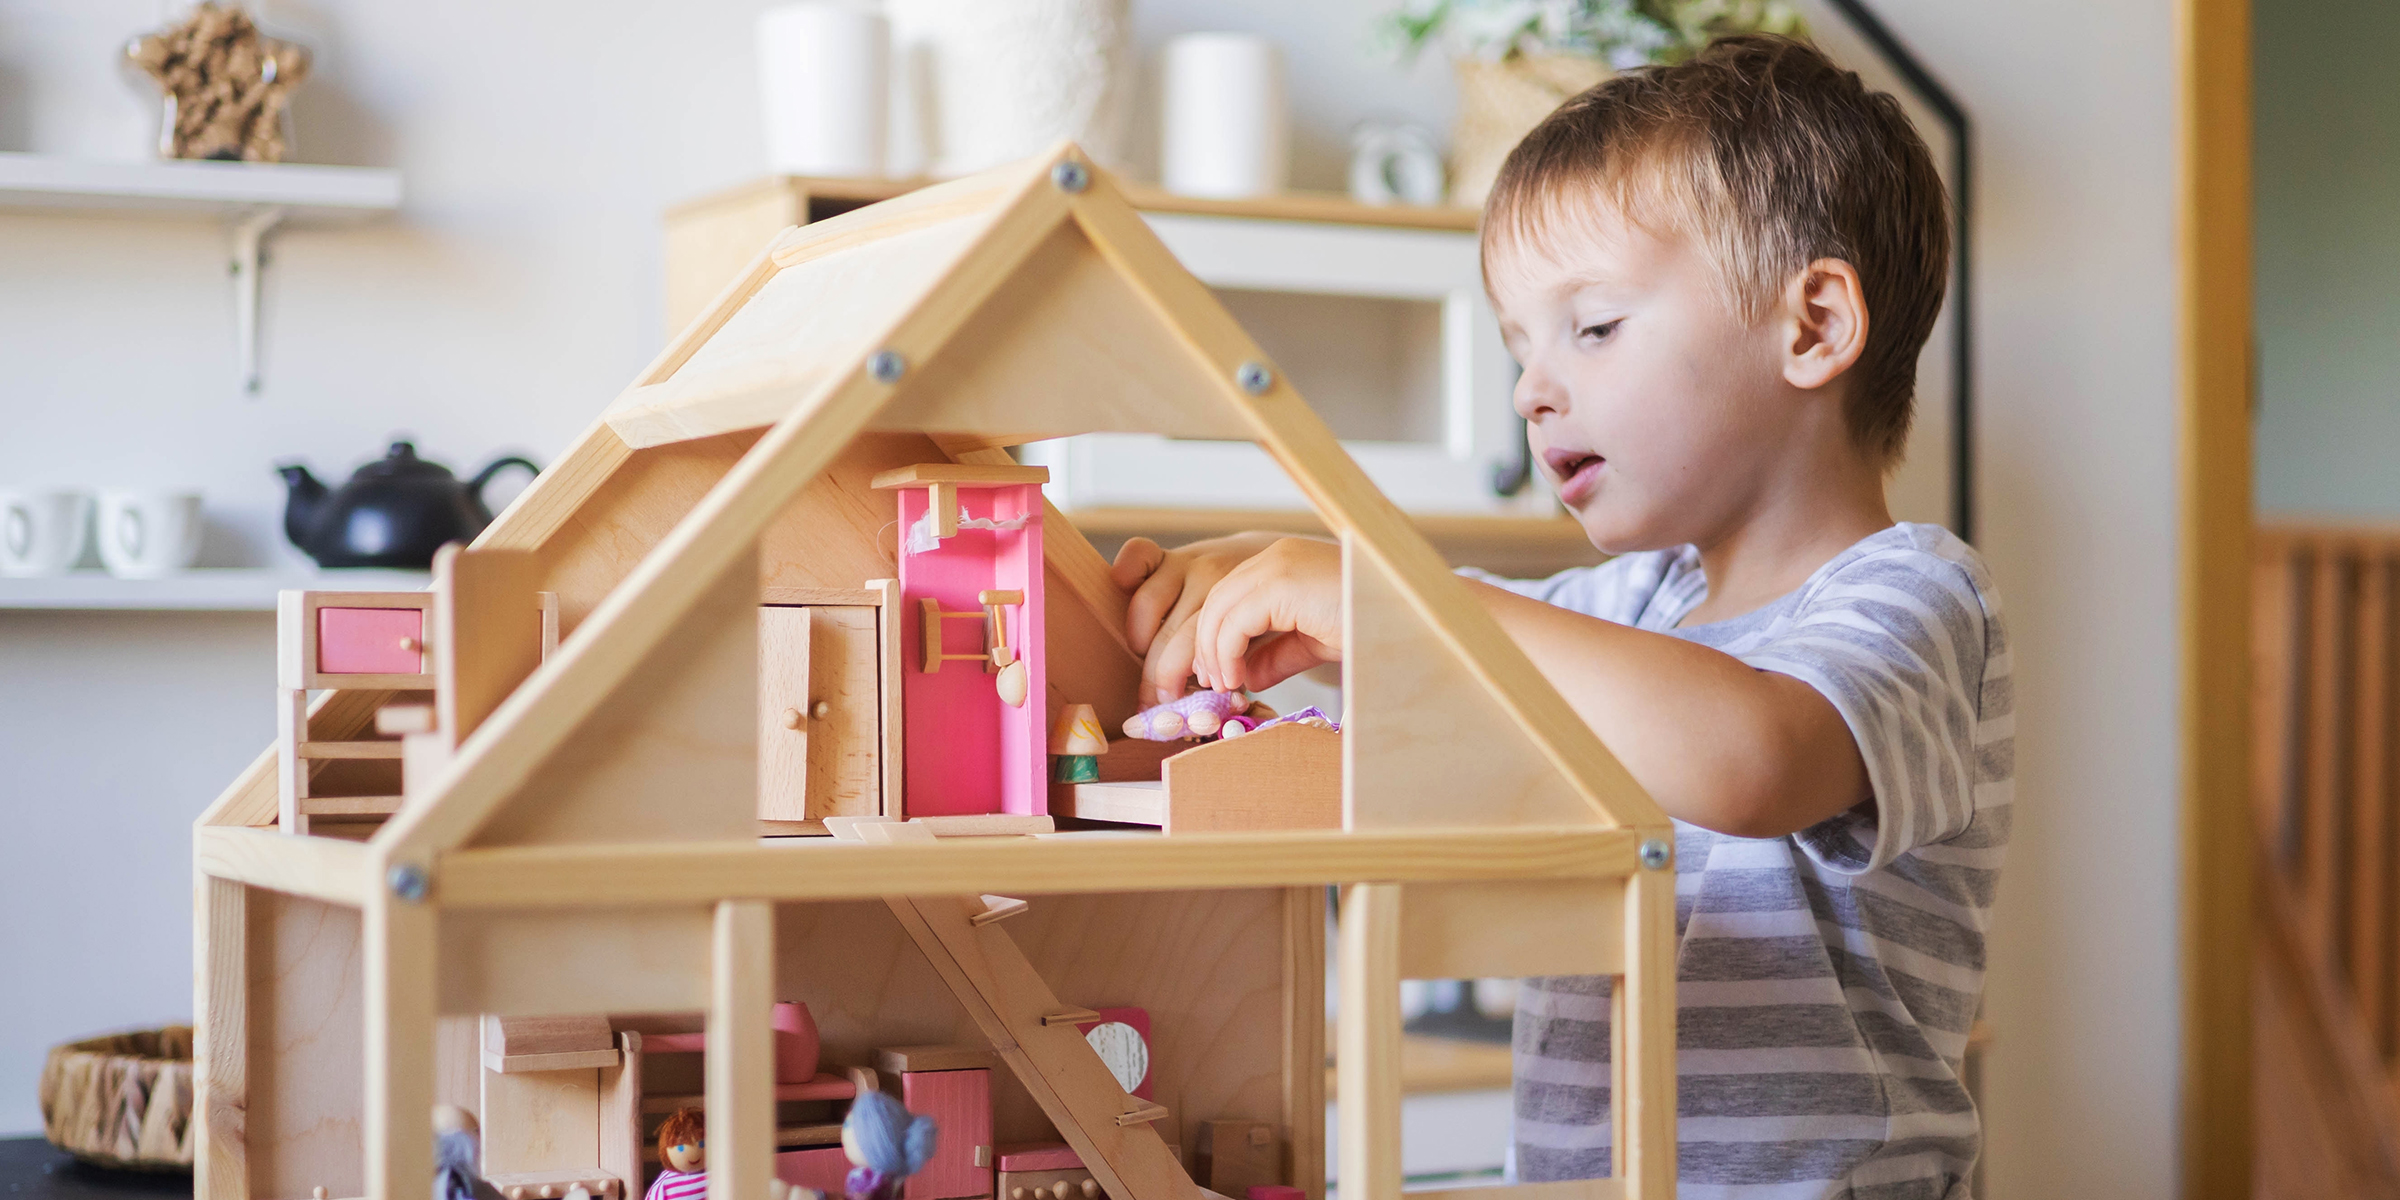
714,774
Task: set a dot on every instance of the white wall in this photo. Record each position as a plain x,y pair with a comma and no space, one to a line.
518,292
2073,107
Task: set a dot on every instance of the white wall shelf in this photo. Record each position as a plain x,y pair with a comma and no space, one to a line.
202,590
251,198
305,193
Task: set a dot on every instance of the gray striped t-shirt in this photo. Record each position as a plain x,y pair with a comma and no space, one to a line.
1825,981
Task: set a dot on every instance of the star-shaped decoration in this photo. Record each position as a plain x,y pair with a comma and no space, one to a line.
226,84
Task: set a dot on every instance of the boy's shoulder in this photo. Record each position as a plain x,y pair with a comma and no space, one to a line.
1620,589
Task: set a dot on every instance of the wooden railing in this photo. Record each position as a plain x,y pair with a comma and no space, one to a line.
2326,789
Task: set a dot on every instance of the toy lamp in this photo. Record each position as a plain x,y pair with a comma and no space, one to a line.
1076,745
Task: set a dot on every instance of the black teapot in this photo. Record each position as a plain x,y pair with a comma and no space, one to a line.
393,513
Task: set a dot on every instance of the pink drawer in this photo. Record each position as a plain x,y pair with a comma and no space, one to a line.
371,641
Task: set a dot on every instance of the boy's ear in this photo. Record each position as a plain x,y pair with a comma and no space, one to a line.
1825,315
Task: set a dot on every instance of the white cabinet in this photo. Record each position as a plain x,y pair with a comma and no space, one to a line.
1385,331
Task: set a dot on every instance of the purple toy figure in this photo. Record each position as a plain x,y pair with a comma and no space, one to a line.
1198,715
886,1143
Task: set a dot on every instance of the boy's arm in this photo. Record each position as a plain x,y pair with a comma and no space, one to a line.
1714,741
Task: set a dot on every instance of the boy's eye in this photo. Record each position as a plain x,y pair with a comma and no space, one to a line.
1602,330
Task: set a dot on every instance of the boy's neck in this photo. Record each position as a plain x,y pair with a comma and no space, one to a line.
1799,524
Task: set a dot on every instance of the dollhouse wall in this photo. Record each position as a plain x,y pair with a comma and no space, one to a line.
969,752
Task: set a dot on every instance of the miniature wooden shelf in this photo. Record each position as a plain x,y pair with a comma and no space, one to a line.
225,589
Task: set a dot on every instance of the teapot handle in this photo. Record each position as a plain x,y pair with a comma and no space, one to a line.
484,476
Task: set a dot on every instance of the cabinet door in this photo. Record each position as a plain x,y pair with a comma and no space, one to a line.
960,1102
819,749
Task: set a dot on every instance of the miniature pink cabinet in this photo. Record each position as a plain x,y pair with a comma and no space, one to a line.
960,1102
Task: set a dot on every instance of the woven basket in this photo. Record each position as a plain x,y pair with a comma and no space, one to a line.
1499,103
124,1100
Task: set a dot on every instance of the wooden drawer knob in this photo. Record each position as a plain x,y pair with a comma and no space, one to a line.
822,710
412,645
792,719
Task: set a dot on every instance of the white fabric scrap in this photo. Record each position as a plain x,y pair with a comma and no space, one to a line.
920,533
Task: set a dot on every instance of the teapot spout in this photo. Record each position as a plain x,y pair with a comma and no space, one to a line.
304,495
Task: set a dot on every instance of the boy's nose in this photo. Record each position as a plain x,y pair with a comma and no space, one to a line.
1537,393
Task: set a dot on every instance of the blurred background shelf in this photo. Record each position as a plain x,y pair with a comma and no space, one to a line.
306,193
1524,546
203,590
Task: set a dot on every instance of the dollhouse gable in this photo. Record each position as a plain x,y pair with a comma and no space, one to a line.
1025,303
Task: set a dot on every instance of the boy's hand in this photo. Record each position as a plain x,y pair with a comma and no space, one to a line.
1171,587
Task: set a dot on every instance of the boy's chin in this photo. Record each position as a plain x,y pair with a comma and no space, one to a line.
1613,531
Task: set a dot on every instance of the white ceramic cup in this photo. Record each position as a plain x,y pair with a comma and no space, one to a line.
146,534
41,533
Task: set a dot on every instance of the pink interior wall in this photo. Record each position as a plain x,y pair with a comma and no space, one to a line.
966,751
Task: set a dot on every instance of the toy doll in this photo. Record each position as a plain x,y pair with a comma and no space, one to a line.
886,1143
682,1158
1198,715
457,1149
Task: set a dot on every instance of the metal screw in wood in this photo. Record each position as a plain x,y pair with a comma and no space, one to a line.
1254,377
1070,176
407,881
887,366
1656,854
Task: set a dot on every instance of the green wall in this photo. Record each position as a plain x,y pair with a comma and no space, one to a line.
2328,240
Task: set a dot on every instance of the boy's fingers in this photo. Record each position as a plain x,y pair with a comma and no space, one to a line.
1168,665
1273,660
1136,559
1153,604
1225,625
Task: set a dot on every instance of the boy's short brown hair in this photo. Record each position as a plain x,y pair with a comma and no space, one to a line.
1770,157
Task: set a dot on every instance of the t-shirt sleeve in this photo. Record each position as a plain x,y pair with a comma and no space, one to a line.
1614,590
1896,641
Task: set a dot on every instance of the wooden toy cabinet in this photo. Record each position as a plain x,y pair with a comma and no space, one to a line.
744,619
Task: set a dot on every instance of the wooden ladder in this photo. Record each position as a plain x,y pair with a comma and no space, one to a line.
1000,989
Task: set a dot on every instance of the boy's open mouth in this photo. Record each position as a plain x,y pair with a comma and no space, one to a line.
1577,472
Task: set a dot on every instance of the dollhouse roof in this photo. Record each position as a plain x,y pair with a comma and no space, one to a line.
1025,303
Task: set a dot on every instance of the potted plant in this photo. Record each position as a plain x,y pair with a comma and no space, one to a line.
1518,59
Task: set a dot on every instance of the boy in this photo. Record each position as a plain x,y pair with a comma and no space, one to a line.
1717,277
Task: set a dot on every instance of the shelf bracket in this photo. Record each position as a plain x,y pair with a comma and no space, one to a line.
249,237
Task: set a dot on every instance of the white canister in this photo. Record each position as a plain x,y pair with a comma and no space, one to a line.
1225,131
42,533
992,81
145,534
824,79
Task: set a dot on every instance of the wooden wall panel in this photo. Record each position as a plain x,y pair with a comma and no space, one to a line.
1217,1050
307,1048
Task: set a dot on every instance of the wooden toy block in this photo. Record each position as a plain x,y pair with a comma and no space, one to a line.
1235,1156
513,1044
902,1059
583,833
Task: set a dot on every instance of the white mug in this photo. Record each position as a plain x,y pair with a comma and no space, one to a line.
41,533
146,534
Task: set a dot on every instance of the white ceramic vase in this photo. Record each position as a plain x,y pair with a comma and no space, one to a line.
986,82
